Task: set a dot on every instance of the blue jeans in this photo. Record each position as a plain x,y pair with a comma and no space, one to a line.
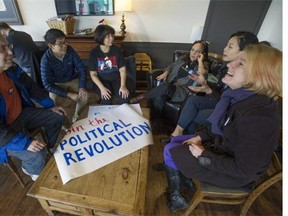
196,111
33,162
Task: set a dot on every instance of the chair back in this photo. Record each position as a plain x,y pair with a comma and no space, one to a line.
35,66
130,74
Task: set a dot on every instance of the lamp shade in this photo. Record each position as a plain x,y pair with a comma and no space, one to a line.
123,5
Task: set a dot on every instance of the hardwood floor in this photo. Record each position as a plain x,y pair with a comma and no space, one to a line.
13,199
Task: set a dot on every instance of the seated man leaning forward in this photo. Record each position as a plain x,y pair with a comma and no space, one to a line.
18,115
62,71
244,133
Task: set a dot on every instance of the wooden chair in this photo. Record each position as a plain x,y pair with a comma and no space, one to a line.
212,194
11,165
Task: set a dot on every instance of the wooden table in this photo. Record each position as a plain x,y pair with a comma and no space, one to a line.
116,189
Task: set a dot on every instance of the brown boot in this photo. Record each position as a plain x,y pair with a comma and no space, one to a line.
138,99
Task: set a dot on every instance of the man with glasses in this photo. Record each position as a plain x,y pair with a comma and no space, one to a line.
18,115
22,45
62,71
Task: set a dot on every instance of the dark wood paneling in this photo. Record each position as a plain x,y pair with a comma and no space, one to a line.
161,54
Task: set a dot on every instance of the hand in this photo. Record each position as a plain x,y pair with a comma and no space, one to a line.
36,146
200,58
59,110
193,76
73,96
201,79
83,94
105,93
196,150
162,76
204,88
123,91
194,140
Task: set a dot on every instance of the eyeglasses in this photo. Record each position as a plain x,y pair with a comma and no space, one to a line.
61,44
3,47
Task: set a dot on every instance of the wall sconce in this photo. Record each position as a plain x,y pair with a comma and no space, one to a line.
123,6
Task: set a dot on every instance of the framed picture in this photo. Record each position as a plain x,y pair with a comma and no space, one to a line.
9,12
85,7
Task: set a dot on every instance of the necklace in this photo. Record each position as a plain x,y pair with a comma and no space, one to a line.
105,53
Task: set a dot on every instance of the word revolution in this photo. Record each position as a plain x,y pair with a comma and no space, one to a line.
101,139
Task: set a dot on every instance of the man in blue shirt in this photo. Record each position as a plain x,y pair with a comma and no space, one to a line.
62,71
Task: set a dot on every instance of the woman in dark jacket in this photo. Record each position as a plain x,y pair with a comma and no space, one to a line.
244,129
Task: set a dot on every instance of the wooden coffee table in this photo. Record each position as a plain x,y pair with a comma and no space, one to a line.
116,189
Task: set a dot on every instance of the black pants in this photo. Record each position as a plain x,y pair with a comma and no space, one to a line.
161,94
113,85
32,118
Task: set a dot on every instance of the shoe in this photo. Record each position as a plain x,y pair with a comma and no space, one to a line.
166,140
33,177
138,99
75,117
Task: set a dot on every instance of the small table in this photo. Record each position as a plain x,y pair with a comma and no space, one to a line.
116,189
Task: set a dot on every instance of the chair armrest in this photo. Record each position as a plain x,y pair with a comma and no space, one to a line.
152,82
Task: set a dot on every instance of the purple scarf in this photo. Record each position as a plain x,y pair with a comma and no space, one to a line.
228,98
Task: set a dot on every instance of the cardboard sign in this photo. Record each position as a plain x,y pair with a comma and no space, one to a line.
100,139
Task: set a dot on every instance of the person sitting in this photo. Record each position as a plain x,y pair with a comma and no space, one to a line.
62,71
197,108
179,77
18,115
22,46
107,67
245,127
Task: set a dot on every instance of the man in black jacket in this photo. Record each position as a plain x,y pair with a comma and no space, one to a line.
22,45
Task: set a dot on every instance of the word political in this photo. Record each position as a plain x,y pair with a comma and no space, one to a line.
101,139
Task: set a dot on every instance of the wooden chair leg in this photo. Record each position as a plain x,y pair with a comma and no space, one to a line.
258,191
14,170
197,198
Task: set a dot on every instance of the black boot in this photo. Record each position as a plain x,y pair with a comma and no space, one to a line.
187,182
177,201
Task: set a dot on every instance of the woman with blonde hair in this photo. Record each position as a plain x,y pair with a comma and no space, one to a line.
244,129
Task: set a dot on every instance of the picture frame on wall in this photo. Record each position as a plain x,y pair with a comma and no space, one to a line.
10,13
85,7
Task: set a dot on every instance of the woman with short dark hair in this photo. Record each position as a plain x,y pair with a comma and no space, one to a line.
107,67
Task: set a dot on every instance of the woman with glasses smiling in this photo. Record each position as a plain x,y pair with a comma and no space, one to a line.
62,71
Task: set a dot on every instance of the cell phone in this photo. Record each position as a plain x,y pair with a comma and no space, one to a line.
193,72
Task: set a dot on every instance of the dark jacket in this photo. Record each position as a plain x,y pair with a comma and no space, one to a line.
54,71
29,91
23,47
244,151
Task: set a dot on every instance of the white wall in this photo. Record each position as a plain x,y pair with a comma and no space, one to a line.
271,29
177,21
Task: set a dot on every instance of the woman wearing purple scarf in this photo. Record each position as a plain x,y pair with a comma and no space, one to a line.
244,129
